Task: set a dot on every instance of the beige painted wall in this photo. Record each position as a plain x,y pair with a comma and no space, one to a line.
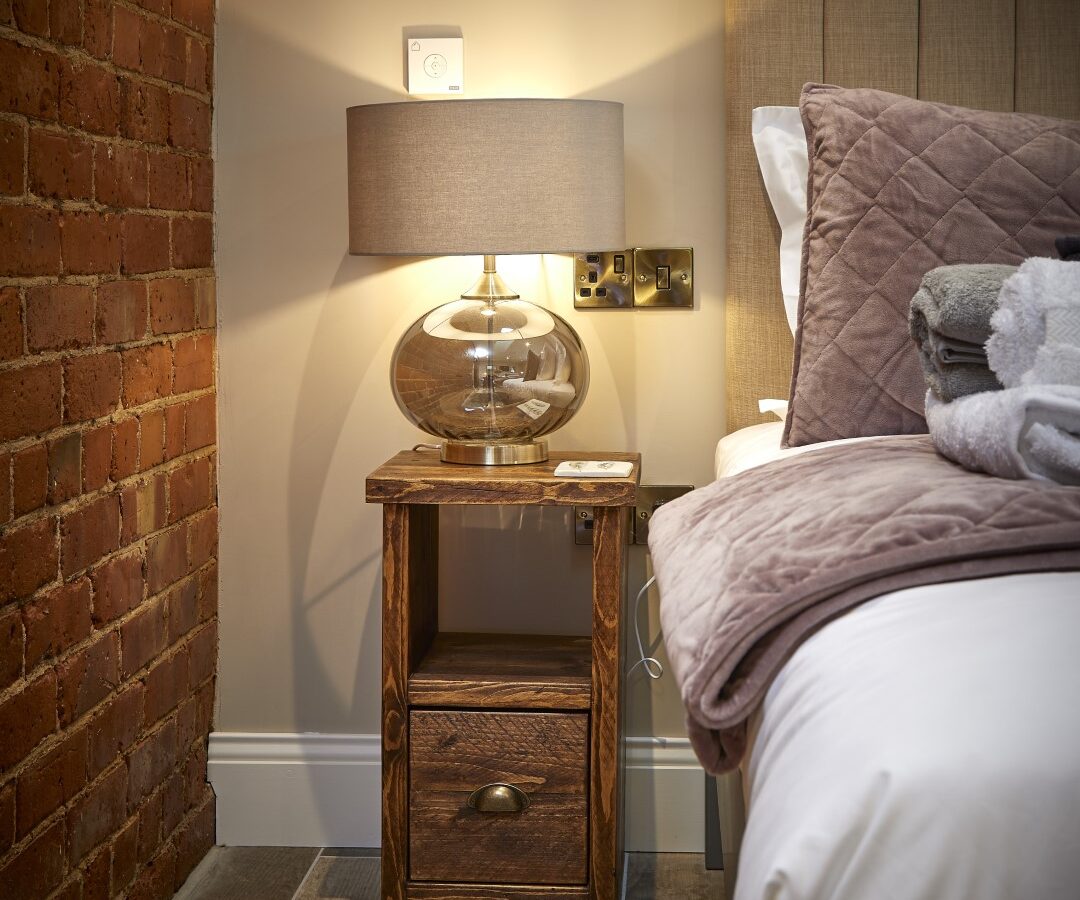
306,333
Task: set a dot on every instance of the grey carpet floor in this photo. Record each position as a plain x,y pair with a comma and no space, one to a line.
343,873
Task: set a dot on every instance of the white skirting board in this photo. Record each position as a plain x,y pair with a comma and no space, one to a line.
323,790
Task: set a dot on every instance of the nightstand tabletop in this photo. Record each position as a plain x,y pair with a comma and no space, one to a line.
417,476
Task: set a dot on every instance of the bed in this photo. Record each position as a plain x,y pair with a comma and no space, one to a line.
911,746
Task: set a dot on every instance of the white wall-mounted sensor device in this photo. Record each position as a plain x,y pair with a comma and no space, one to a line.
436,65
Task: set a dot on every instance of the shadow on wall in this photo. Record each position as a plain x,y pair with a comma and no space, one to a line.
352,330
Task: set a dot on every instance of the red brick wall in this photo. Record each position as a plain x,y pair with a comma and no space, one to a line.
108,517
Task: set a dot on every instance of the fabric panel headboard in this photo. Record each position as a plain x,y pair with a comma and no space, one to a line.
987,54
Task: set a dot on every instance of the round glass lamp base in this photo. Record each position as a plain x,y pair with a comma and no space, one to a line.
494,453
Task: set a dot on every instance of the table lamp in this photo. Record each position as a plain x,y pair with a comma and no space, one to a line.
489,373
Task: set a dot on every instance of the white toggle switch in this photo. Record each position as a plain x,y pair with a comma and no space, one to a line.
436,65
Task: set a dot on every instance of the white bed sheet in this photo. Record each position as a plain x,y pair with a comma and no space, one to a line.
924,746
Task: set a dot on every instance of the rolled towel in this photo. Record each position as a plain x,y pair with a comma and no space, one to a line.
1036,337
950,322
1022,432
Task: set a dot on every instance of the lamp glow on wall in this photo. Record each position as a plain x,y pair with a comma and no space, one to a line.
489,372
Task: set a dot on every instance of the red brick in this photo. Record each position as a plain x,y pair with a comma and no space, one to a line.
197,14
38,867
201,179
150,763
95,877
87,677
99,813
169,188
89,98
142,637
175,56
12,143
144,111
193,243
148,373
90,243
121,311
91,386
166,559
59,317
31,17
29,240
200,425
183,603
89,532
29,400
28,558
152,439
155,882
146,243
120,174
50,782
194,363
166,685
129,30
197,75
65,468
56,620
197,789
96,457
189,489
206,302
5,488
66,22
149,828
97,27
7,817
11,653
114,728
118,587
61,165
11,324
203,538
174,802
208,582
194,840
124,858
144,508
189,122
203,649
172,305
174,430
31,478
26,718
125,444
29,79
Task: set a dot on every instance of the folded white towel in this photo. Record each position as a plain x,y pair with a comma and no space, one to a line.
1036,328
1021,432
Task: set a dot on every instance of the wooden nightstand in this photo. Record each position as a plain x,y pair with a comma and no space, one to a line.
525,723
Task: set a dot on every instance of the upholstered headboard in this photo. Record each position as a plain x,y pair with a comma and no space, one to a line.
987,54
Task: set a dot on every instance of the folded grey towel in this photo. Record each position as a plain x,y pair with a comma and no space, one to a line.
950,322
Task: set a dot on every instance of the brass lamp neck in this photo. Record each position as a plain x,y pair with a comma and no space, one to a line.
490,286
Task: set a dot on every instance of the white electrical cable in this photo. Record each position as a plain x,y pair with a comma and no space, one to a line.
653,667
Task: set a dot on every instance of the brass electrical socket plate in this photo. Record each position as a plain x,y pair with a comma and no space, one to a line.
650,497
664,279
595,271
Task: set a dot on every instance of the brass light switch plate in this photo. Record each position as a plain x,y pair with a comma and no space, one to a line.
664,278
604,280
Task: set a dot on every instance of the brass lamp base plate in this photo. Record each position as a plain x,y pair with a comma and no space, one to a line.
481,453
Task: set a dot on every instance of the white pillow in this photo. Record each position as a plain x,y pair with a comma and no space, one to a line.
780,143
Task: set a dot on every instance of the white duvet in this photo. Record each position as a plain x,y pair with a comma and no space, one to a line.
916,747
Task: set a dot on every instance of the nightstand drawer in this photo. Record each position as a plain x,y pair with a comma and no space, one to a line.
542,757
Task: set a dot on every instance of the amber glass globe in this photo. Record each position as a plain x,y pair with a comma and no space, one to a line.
490,377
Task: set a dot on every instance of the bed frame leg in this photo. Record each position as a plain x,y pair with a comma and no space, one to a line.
725,819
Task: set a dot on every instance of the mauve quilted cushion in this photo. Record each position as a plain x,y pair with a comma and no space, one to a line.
898,187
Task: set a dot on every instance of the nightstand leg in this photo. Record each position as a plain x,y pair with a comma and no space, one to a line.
605,831
410,620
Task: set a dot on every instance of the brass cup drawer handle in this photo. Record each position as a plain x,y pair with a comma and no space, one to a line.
499,798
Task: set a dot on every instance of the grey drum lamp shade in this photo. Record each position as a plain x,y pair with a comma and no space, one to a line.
445,177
